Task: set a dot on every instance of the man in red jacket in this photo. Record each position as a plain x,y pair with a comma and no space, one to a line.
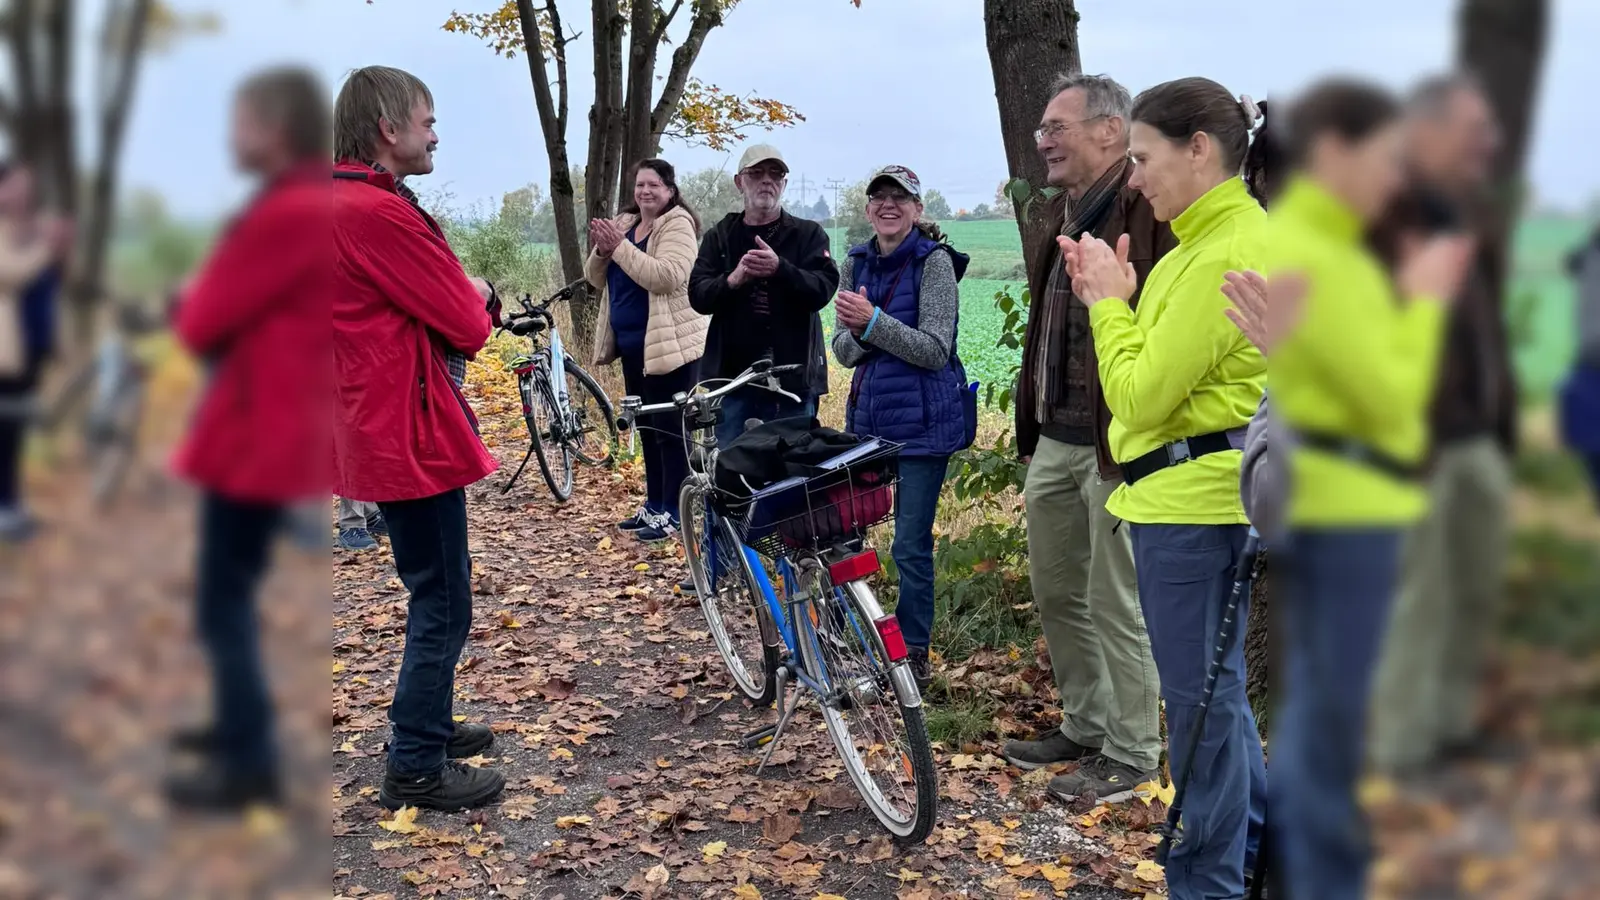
257,314
404,436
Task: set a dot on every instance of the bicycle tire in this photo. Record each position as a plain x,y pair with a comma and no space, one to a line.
760,686
608,426
916,755
539,392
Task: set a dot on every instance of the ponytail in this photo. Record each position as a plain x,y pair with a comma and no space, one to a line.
1263,163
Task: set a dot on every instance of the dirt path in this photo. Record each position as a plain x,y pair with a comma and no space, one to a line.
617,730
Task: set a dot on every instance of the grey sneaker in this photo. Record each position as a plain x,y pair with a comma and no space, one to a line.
1109,780
1045,750
356,539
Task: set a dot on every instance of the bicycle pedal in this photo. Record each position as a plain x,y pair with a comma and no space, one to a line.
759,738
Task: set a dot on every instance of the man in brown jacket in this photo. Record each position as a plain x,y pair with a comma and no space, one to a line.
1426,696
1080,562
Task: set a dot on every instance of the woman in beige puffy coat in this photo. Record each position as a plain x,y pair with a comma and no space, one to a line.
642,260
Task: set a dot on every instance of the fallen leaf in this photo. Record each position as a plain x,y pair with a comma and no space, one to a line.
781,828
642,567
508,621
415,877
1059,878
573,821
604,545
657,875
557,689
404,822
714,850
1149,871
828,897
747,891
337,667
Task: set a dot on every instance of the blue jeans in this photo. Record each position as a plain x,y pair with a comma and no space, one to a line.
235,543
757,403
1185,575
921,477
1338,587
429,537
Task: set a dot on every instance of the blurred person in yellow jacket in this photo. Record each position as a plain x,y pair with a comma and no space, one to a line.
1182,383
1453,563
1351,383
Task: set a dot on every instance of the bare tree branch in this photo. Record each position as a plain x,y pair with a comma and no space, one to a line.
707,15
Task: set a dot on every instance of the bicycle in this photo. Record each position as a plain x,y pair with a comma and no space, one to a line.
828,635
556,426
113,382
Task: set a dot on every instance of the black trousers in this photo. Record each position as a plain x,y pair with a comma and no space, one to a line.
13,429
235,545
660,437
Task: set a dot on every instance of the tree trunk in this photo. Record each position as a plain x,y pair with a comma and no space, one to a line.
553,123
1258,649
707,15
116,100
1030,43
637,143
605,115
1503,43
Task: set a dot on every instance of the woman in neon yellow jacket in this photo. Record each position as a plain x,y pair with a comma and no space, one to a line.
1182,383
1351,384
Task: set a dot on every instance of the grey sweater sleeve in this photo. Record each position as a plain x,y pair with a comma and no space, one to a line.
928,344
846,348
1261,481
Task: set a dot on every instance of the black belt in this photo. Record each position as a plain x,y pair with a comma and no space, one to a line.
1175,453
1358,452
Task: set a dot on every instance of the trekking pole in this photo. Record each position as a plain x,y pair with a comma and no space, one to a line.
1246,570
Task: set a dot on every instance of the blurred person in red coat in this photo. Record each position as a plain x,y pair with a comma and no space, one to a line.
404,312
257,314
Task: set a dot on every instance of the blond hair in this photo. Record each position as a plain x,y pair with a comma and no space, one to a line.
371,94
295,101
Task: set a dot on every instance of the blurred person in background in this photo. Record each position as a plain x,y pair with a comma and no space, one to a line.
1453,566
257,315
33,255
641,261
763,276
1182,383
1351,384
1580,395
404,436
897,330
1079,560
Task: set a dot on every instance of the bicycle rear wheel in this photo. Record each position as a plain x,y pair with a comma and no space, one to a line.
555,459
730,596
871,706
593,435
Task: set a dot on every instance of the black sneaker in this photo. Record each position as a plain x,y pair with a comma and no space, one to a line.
1045,750
662,527
469,740
921,667
1110,781
455,787
376,526
213,787
636,522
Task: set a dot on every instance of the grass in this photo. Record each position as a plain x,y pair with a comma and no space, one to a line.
955,722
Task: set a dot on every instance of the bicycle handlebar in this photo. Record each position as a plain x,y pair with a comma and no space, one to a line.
633,407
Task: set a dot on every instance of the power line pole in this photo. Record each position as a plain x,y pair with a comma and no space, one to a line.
805,188
836,184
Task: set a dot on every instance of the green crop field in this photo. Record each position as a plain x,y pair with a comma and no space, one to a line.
1541,296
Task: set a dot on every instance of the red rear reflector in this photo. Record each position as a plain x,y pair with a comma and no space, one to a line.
894,643
855,568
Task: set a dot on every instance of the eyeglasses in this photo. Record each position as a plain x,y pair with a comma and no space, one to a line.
1052,129
898,198
769,173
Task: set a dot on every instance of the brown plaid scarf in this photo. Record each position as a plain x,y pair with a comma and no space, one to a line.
1058,304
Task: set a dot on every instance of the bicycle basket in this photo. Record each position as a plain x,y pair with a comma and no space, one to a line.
846,496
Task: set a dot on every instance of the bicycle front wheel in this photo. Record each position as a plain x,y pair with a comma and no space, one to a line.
730,596
592,434
871,706
555,459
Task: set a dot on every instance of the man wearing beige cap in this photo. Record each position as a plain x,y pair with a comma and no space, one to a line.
763,276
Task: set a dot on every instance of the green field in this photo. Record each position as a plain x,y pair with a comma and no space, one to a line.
1541,297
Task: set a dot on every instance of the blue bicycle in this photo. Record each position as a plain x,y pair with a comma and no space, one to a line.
821,628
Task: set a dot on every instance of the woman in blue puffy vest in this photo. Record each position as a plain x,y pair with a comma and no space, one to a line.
897,329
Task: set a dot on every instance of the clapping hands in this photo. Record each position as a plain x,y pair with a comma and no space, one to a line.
762,262
1265,311
604,236
853,311
1097,271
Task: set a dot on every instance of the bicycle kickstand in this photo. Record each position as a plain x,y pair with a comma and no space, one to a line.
770,734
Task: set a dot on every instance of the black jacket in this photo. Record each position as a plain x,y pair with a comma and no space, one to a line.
805,282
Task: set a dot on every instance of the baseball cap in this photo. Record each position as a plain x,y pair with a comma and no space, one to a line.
756,154
899,175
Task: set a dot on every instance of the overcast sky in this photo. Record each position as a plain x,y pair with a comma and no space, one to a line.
904,81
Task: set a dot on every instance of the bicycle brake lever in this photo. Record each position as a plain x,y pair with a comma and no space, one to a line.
772,385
